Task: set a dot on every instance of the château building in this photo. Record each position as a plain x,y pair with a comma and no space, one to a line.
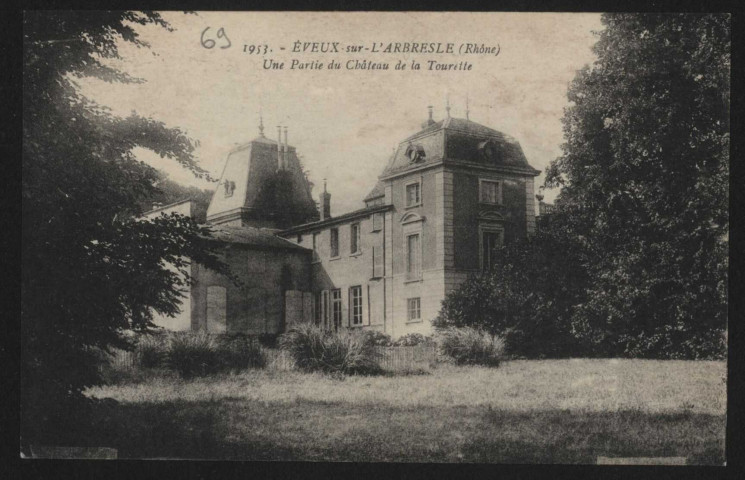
449,195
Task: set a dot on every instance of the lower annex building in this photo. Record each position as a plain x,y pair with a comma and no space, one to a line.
449,195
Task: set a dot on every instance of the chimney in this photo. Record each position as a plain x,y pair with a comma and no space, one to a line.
279,147
325,203
286,157
430,120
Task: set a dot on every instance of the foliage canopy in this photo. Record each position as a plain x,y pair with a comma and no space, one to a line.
91,269
644,196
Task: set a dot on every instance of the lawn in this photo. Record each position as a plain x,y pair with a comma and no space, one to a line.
560,411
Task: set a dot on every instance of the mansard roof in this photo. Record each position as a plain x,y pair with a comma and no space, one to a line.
247,169
457,140
377,192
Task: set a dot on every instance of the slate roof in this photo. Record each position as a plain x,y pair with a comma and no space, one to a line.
250,166
462,144
362,212
252,237
377,192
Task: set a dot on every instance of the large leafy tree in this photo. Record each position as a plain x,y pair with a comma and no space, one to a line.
529,296
645,170
91,270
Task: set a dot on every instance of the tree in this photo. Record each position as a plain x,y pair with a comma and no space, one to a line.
170,192
645,166
528,298
91,270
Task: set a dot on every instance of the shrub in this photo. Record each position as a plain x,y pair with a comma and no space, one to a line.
268,340
468,346
377,338
193,354
314,349
239,352
412,340
151,351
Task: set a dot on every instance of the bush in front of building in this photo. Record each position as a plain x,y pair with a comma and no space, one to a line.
239,352
192,354
316,350
151,351
470,346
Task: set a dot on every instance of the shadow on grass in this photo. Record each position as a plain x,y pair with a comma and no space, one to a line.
303,430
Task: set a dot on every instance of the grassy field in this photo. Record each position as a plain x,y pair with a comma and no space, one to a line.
552,411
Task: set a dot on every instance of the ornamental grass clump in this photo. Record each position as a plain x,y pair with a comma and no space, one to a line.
193,354
314,349
239,352
469,346
151,351
196,354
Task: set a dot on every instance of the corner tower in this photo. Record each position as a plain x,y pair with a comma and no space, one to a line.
458,190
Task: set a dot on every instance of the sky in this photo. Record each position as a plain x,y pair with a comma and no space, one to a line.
346,123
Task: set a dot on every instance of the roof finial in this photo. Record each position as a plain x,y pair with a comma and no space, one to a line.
324,185
261,123
467,107
447,105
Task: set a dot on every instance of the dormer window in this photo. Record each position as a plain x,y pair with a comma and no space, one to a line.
488,150
229,188
415,153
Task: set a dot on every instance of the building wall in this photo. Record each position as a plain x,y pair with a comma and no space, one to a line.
257,306
467,211
348,270
182,320
426,219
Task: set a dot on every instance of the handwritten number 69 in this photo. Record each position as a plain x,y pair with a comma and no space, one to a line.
210,43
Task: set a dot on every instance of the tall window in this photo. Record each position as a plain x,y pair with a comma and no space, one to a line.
413,257
354,235
491,240
355,305
325,309
414,309
490,192
336,308
334,242
413,195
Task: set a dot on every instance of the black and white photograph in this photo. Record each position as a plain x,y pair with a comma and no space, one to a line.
387,237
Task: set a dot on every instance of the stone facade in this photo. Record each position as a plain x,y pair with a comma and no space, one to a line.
257,305
448,196
447,193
